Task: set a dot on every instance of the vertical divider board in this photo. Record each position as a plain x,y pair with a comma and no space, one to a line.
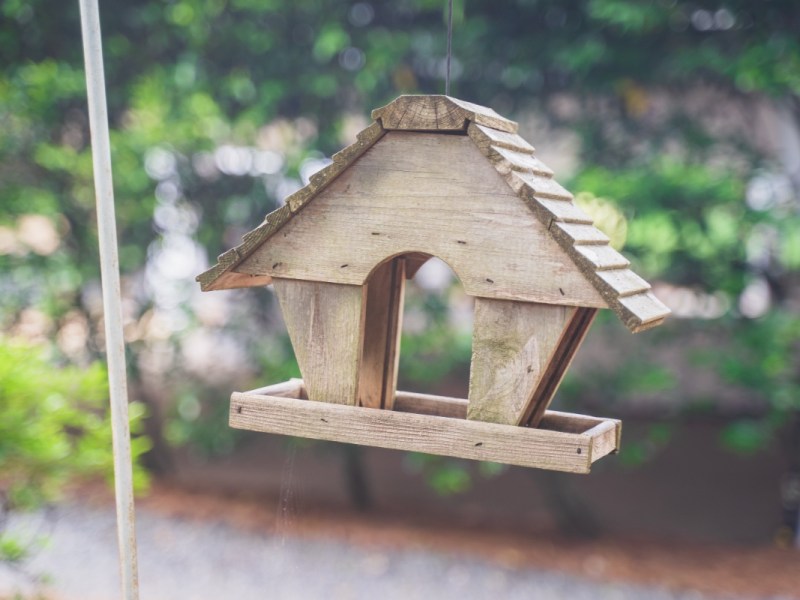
380,353
325,321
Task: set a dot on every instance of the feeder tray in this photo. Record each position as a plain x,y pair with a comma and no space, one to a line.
434,176
430,424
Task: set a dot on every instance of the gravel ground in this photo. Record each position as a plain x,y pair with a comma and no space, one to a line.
183,559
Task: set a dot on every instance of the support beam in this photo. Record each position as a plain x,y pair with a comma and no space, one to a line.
381,335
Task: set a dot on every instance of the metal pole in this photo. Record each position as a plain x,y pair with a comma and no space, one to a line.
112,306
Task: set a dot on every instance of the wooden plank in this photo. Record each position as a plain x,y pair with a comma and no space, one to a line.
294,388
428,404
579,324
505,161
578,234
605,438
600,258
512,346
324,321
474,440
341,161
642,311
624,282
381,345
529,185
560,210
485,137
444,406
403,195
438,113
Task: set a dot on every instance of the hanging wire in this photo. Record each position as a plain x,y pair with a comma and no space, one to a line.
449,46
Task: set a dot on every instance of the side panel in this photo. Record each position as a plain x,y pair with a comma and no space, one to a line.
324,321
512,346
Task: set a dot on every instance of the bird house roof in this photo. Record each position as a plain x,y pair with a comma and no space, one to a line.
627,294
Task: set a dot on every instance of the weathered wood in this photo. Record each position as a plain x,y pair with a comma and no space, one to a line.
580,322
381,345
221,276
512,346
438,113
486,137
294,388
402,196
454,408
324,321
506,161
341,161
428,404
450,199
641,311
523,446
605,438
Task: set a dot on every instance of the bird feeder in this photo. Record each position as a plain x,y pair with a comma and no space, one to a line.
434,176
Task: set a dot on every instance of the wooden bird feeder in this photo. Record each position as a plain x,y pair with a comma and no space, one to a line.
436,176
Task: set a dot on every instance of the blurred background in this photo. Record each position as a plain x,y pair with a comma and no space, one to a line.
676,124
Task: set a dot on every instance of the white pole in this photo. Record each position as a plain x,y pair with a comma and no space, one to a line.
112,306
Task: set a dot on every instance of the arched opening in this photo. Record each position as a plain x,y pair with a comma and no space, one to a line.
417,331
436,333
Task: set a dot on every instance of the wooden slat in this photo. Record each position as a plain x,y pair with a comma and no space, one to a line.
485,137
324,321
419,433
294,388
428,404
600,258
438,113
512,346
506,161
579,234
402,196
381,345
341,161
642,311
561,210
605,438
557,367
624,282
530,185
454,408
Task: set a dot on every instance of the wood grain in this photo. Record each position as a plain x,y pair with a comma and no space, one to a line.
512,346
403,196
438,113
461,438
381,345
580,322
324,321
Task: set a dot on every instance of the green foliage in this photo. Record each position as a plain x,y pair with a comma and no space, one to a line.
54,428
295,78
